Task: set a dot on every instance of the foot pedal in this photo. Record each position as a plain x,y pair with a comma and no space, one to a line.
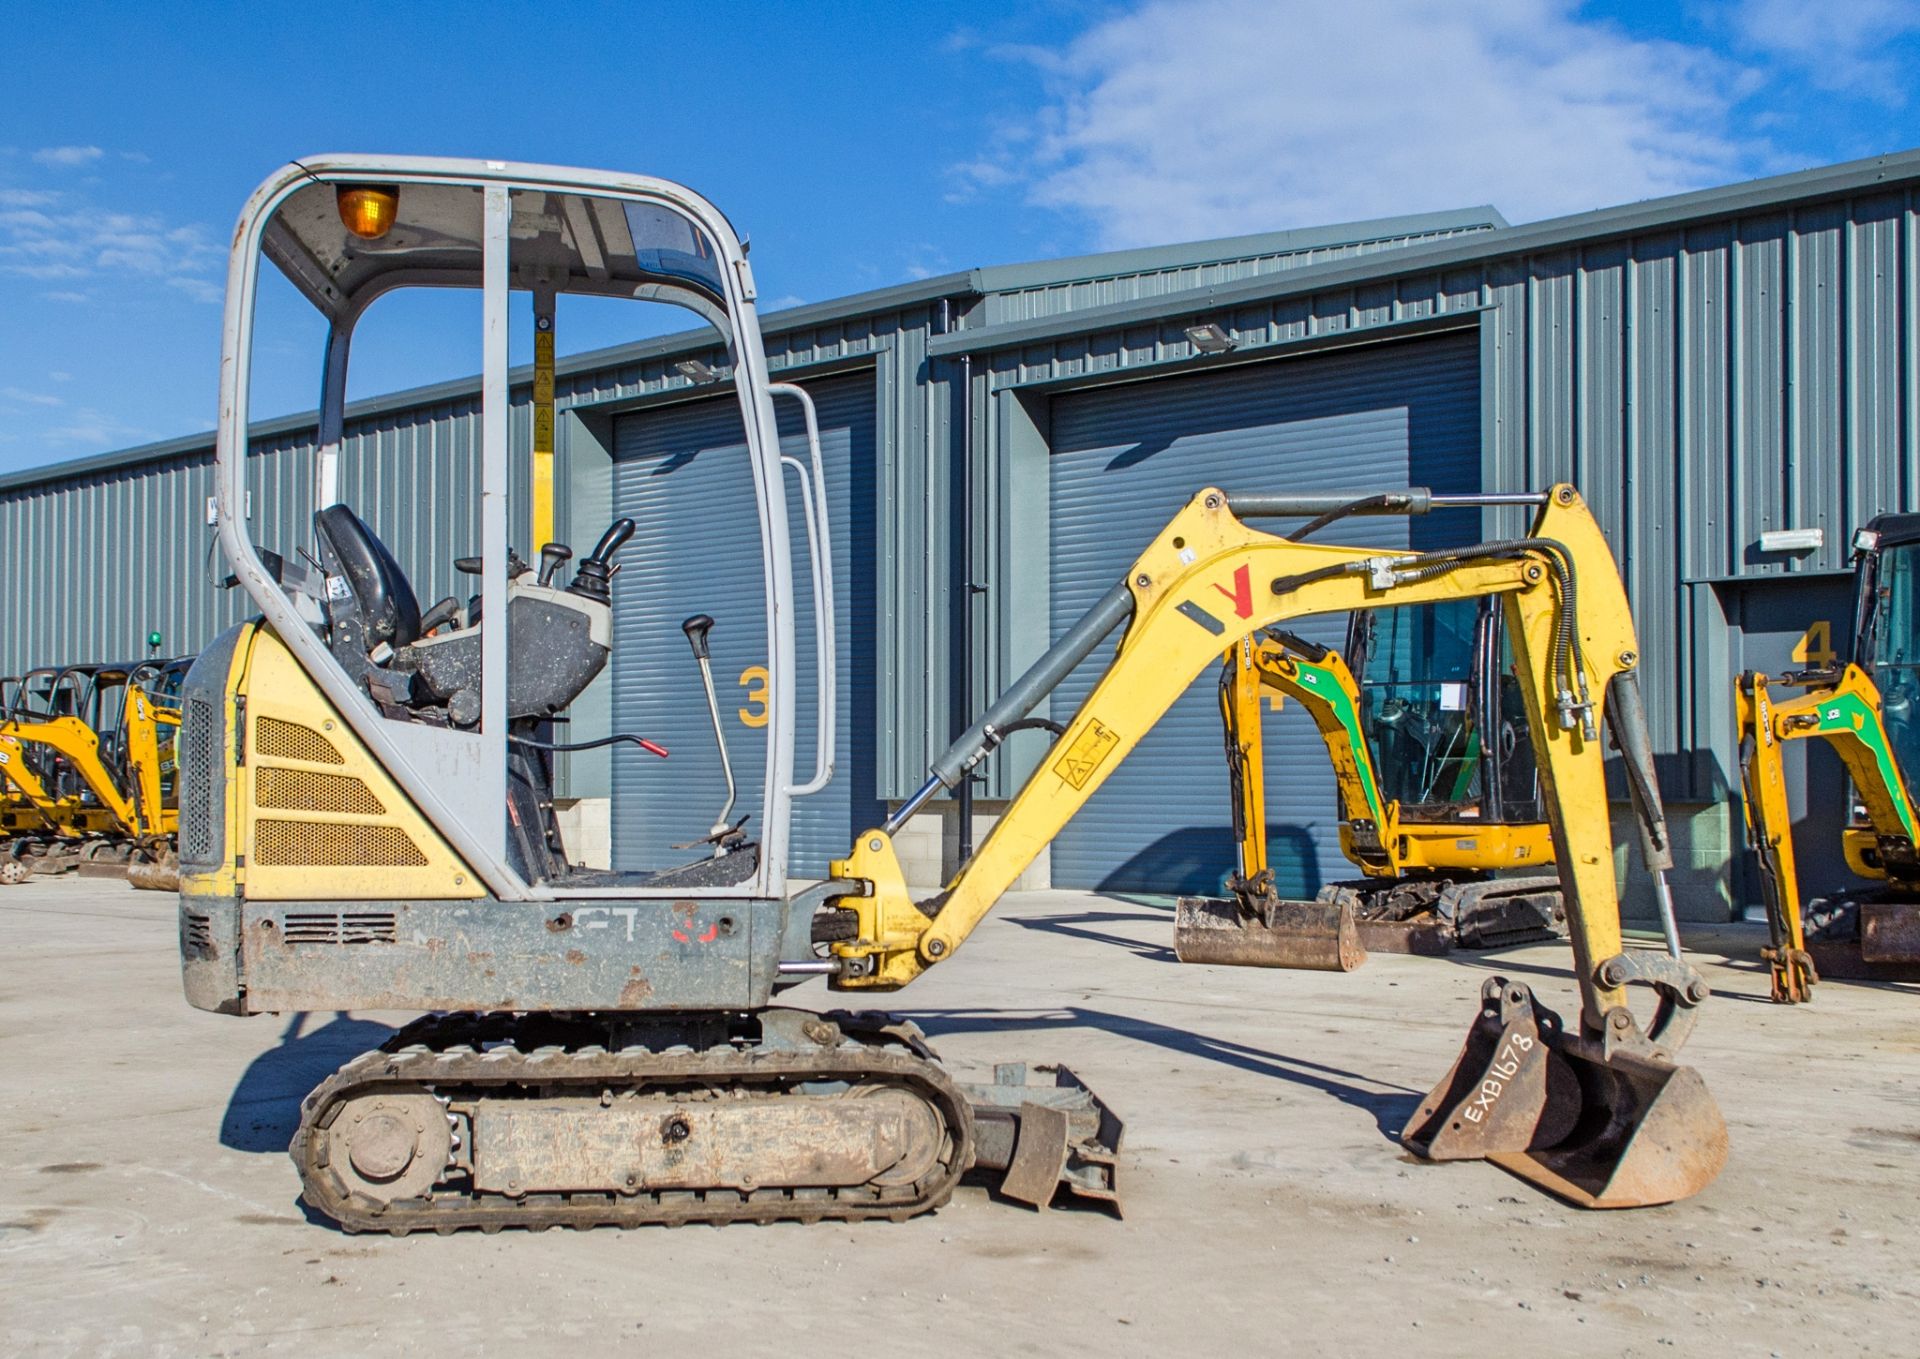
1613,1124
1046,1136
1317,936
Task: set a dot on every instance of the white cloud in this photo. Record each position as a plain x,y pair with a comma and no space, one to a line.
66,295
87,428
63,238
58,376
27,198
68,156
31,398
1190,120
1840,47
199,289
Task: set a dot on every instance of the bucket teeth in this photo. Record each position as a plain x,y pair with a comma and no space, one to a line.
1614,1125
1046,1136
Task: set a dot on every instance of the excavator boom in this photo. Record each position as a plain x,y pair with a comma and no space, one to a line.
1210,580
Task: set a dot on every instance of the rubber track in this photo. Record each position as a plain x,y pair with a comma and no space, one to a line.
410,1061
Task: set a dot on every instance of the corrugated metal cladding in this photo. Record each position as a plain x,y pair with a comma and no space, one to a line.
681,473
92,565
1124,459
1056,297
1700,382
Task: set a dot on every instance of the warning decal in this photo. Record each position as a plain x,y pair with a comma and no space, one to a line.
1085,755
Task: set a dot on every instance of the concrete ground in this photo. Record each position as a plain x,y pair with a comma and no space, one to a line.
147,1205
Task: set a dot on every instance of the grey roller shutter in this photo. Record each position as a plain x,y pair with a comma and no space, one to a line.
1125,458
681,473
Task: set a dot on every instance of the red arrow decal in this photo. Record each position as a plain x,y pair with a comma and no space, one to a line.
1242,592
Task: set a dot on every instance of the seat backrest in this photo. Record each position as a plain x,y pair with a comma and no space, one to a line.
388,610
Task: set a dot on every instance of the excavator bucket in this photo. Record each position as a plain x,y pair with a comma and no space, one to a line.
1318,936
1045,1136
1623,1129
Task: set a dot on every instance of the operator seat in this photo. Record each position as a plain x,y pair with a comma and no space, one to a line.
381,597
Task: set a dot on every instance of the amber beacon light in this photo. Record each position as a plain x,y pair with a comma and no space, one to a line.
368,210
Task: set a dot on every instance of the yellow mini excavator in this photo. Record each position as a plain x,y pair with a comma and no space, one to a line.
1436,786
367,810
88,753
1868,710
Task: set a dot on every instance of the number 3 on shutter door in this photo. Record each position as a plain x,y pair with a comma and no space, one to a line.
754,679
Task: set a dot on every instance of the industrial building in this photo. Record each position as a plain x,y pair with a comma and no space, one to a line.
1730,377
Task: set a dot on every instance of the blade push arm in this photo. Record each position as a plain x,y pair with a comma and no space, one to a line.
1208,581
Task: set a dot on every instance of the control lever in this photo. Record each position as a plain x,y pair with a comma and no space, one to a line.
443,612
470,566
594,578
697,628
552,557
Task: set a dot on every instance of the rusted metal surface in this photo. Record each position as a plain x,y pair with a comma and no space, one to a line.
703,1139
1890,932
1841,960
1312,935
1048,1135
1431,915
750,1165
1603,1123
601,955
1425,936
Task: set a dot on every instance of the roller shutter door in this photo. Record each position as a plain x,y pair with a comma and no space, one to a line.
681,473
1125,458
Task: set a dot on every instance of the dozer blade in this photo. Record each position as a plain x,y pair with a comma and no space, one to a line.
1045,1136
1318,936
1623,1129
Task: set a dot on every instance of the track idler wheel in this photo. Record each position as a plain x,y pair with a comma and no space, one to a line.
1318,936
1601,1123
384,1147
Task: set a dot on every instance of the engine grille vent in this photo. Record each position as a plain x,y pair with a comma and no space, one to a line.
196,934
291,741
340,927
314,844
297,790
199,749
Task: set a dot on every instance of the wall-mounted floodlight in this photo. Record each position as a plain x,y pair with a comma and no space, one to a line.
693,370
1793,540
1211,339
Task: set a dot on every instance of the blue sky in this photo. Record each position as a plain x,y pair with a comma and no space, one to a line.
858,144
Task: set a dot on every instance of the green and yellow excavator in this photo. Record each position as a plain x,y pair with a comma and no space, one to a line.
1867,709
1438,795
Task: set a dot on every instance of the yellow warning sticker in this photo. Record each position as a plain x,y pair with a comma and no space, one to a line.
1089,749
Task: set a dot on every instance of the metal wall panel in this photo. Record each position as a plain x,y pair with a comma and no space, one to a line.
1701,383
1125,458
681,473
1054,298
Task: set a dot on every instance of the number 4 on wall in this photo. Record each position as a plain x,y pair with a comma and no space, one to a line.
1815,646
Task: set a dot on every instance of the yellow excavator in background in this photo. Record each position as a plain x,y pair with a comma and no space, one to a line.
88,755
1436,788
1868,710
367,815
